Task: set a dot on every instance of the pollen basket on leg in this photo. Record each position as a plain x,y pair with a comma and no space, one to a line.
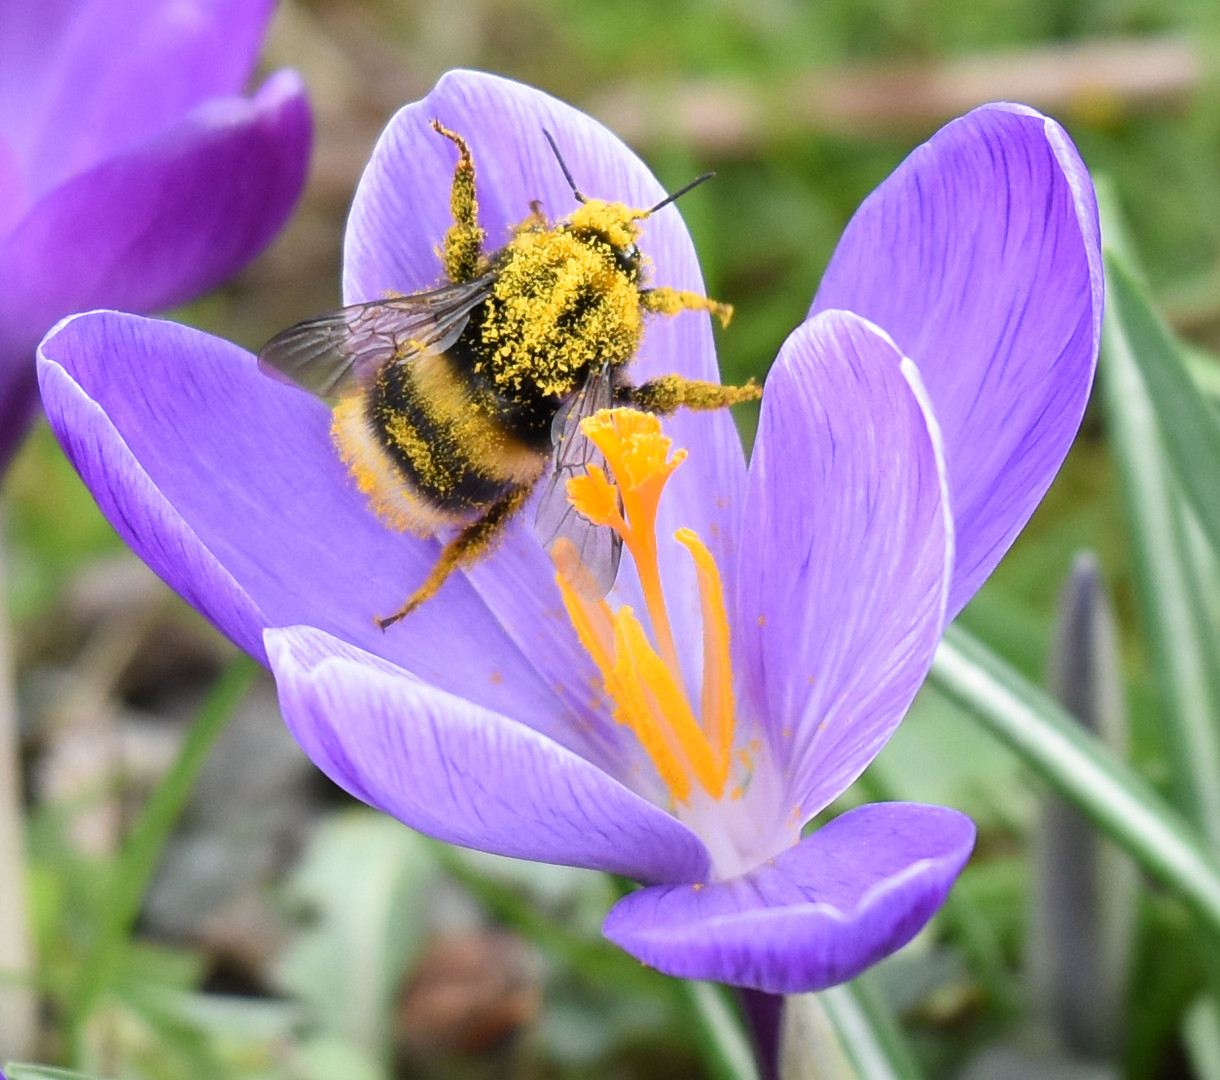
687,747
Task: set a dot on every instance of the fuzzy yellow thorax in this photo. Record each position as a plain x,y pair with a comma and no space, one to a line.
562,305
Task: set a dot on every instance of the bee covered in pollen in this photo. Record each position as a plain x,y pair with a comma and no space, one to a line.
449,404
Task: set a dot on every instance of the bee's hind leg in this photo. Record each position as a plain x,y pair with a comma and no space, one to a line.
465,549
462,250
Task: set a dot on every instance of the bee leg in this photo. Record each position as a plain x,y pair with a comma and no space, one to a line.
670,392
462,250
665,301
465,549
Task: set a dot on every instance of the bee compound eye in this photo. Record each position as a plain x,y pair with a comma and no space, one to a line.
628,259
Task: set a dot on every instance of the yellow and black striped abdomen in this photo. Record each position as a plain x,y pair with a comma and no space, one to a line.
428,448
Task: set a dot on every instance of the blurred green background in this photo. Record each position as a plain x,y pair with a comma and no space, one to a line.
315,962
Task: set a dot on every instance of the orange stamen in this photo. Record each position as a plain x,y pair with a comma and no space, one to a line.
717,703
646,684
638,456
666,701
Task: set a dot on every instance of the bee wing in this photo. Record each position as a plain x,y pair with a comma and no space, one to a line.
342,349
598,546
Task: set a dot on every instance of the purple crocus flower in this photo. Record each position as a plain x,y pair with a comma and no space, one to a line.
909,427
131,176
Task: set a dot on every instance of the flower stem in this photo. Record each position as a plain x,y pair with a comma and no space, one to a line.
764,1014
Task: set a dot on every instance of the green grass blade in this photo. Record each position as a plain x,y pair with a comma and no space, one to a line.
1133,344
868,1033
726,1047
1106,789
844,1033
810,1045
21,1071
142,847
1188,425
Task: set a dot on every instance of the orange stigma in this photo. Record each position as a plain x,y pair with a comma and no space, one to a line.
642,679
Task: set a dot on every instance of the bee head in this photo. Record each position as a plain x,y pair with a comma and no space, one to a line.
610,225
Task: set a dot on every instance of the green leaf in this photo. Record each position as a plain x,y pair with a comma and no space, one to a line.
142,848
1188,425
1199,1035
726,1048
1162,433
16,1071
1083,889
1135,344
844,1033
1106,789
364,884
810,1048
868,1033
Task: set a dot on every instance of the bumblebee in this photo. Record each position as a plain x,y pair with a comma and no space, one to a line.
450,403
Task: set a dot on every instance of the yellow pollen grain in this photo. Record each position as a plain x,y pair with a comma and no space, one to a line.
423,453
561,306
376,475
613,220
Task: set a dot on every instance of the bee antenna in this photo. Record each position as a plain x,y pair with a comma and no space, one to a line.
682,191
567,174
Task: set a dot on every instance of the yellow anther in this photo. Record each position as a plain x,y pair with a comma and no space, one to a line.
717,703
637,707
652,684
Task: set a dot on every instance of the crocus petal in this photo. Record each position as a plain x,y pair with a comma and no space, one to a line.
817,915
84,81
404,195
225,481
18,407
463,773
850,546
980,257
12,187
160,225
163,223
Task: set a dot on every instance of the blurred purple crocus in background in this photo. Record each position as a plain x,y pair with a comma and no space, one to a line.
909,427
132,174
